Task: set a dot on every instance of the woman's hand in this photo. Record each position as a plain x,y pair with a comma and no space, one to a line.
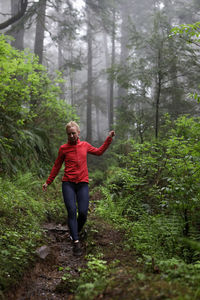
111,133
44,187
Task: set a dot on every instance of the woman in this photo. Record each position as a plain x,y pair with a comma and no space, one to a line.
75,179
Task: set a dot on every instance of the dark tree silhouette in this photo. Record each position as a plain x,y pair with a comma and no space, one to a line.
40,29
23,4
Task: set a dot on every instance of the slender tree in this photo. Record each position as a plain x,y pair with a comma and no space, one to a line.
40,29
158,87
111,98
107,65
18,28
90,77
125,11
17,12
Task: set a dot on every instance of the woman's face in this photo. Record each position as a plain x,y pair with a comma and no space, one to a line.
72,133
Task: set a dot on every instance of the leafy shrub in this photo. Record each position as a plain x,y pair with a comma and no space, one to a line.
155,192
32,117
93,278
177,270
156,236
22,210
96,178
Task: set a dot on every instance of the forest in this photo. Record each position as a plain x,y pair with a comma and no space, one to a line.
126,65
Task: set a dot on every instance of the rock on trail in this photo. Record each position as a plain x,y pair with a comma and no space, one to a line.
40,283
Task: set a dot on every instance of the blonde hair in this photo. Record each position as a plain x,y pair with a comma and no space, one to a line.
72,124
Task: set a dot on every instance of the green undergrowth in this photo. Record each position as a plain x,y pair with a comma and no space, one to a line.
156,240
94,278
91,280
153,194
23,208
118,274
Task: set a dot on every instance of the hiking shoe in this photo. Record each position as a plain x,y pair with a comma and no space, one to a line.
77,251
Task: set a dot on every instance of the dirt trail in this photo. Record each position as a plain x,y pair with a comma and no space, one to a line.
129,280
41,282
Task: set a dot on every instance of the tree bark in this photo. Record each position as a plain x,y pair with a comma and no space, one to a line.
60,50
17,30
40,29
107,65
122,92
71,74
98,123
23,5
90,79
111,98
158,92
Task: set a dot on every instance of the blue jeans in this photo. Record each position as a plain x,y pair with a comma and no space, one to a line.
72,193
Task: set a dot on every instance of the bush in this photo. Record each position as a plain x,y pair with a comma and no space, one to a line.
22,211
155,192
32,116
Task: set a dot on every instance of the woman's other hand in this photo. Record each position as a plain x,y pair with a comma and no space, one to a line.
44,187
111,133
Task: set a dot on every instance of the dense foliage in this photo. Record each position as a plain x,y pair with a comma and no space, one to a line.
151,187
32,127
32,117
22,211
154,195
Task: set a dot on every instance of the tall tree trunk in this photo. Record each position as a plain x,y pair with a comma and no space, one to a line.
140,123
122,92
176,91
71,74
40,29
98,123
158,93
60,51
17,12
89,79
18,27
111,99
60,68
107,65
71,78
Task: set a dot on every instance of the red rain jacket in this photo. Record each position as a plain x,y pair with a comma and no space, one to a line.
75,158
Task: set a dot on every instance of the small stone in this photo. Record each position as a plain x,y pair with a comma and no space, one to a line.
43,251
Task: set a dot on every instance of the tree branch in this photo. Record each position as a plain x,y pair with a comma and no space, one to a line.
15,18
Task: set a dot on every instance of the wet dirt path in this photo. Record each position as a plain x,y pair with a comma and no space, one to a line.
42,281
128,280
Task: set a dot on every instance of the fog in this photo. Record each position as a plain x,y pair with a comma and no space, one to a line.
121,67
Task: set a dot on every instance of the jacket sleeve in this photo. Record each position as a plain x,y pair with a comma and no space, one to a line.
100,150
56,167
